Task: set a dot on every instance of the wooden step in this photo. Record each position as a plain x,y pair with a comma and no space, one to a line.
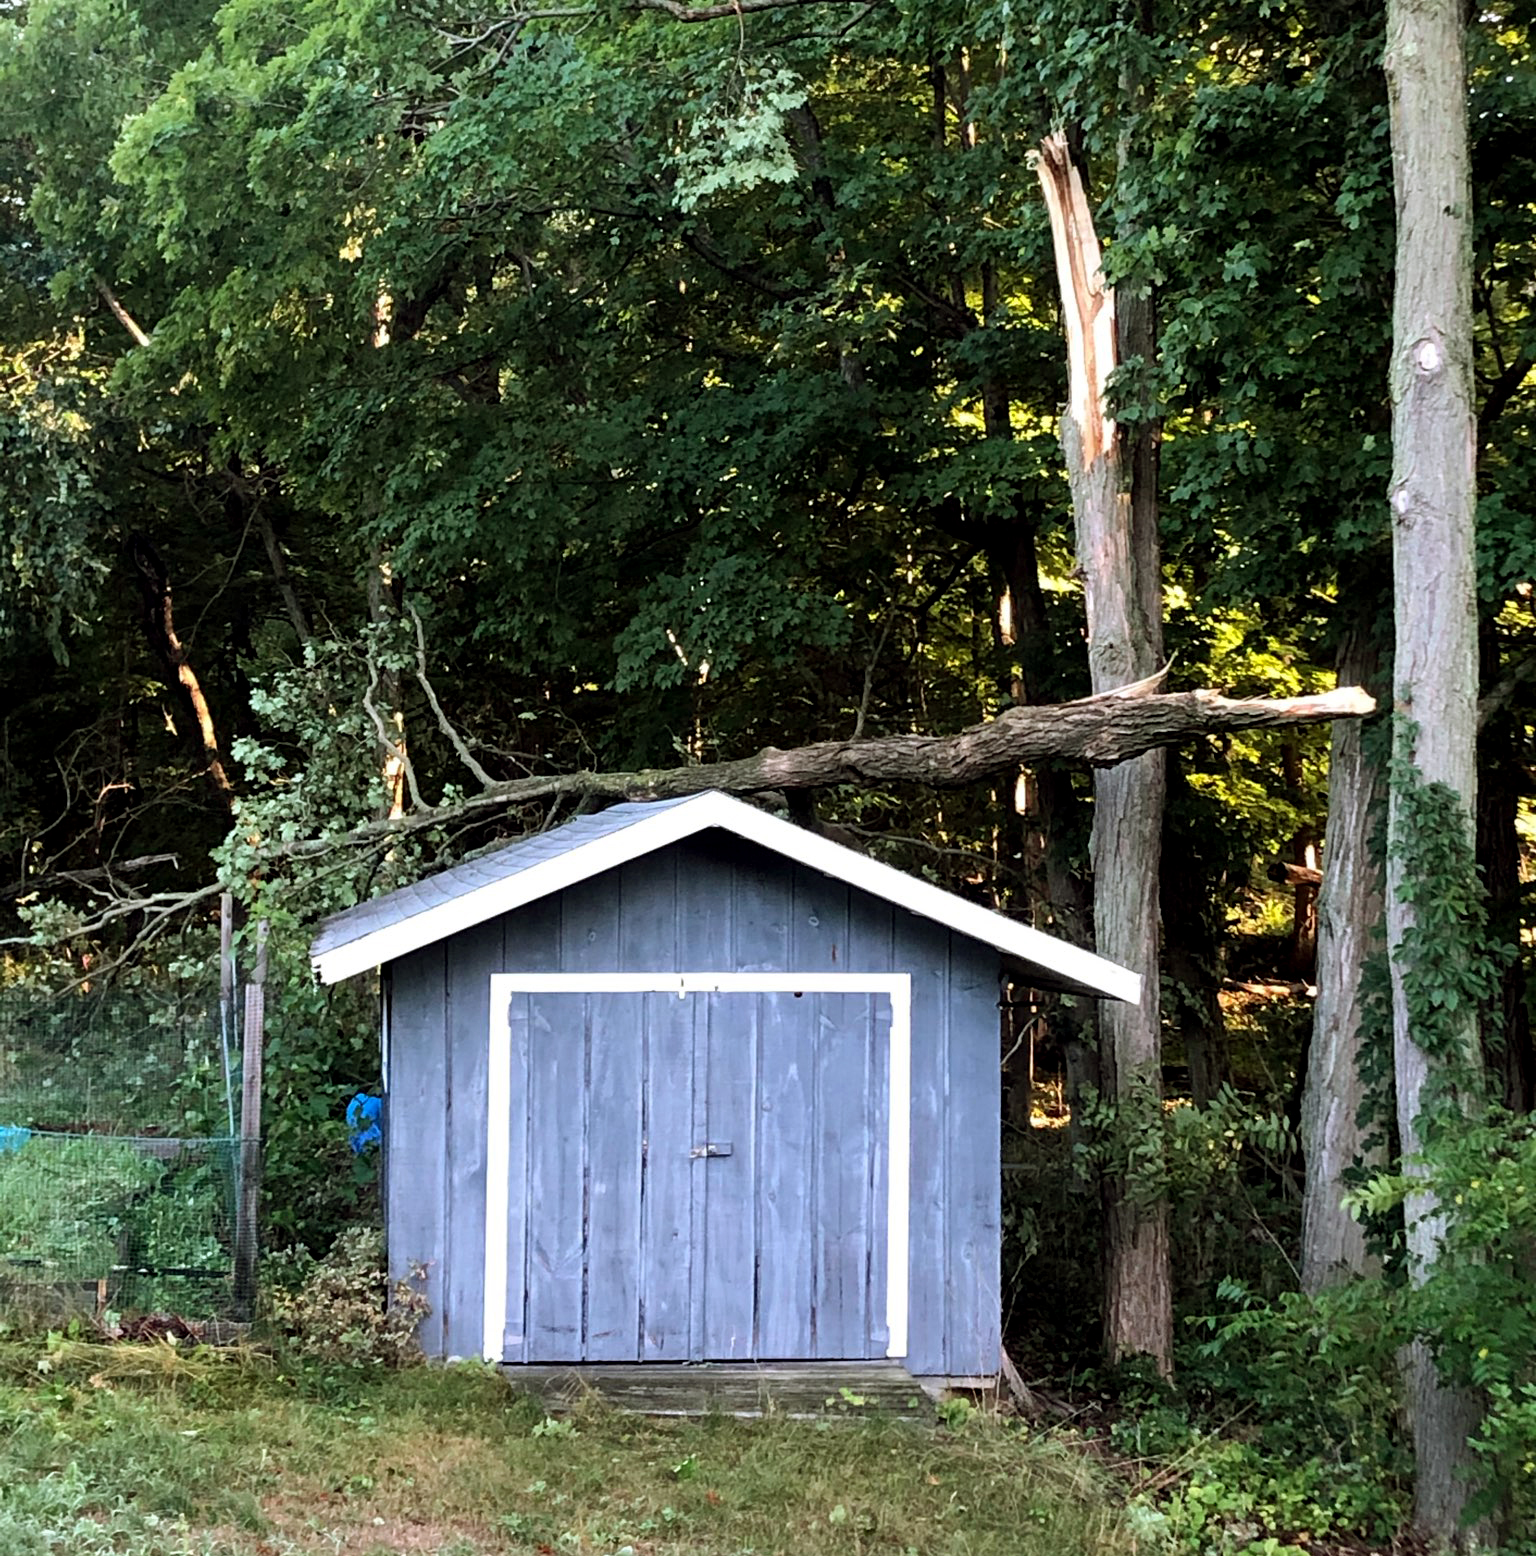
797,1390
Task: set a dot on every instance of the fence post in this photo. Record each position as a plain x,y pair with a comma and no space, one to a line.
247,1230
227,997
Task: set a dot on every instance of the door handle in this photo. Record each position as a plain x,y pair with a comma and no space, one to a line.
711,1148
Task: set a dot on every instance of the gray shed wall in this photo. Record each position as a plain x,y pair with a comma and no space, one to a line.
712,903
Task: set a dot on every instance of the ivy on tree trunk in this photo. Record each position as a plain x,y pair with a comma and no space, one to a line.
1434,776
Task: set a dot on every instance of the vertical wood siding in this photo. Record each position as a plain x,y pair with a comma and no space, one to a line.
420,1148
712,902
530,942
973,1202
472,958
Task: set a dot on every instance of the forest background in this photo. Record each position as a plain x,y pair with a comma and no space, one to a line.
409,413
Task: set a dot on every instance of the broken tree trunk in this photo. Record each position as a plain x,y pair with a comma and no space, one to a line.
1117,552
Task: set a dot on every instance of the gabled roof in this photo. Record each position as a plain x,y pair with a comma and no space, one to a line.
459,898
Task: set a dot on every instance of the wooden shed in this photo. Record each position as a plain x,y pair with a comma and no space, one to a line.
682,1082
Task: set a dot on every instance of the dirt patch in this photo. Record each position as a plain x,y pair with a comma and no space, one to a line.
346,1526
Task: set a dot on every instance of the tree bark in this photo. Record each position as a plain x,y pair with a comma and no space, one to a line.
1433,497
388,720
1118,554
1349,930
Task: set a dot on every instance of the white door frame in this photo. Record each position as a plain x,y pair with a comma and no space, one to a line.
896,986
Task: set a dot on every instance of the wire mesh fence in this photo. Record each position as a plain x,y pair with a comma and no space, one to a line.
118,1159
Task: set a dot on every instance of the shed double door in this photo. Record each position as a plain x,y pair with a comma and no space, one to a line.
697,1177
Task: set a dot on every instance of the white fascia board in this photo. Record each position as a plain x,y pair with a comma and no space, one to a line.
933,902
669,825
713,809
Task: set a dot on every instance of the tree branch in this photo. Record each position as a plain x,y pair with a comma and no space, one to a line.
126,319
107,873
280,573
1500,392
1499,696
1097,731
394,750
455,739
160,627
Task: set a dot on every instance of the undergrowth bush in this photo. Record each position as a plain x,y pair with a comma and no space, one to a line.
1309,1385
1477,1308
342,1308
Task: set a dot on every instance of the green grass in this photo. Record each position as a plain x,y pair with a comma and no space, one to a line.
142,1451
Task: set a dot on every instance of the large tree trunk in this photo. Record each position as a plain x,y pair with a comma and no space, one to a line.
1349,931
1118,554
1434,440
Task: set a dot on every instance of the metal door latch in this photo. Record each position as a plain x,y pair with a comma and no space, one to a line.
711,1148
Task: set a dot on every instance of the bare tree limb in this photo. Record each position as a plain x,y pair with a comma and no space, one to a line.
455,739
280,573
106,873
1099,731
1284,873
158,910
160,627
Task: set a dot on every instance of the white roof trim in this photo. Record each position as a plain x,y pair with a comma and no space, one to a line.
671,824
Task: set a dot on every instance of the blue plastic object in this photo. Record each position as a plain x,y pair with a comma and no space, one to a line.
13,1137
363,1114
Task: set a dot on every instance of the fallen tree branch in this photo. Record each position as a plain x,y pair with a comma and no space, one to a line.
1098,731
1094,731
158,912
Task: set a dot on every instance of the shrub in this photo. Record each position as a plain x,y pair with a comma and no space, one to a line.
1477,1308
342,1308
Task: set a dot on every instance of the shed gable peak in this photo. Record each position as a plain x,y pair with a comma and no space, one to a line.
536,867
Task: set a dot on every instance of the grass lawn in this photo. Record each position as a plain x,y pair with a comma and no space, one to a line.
147,1451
